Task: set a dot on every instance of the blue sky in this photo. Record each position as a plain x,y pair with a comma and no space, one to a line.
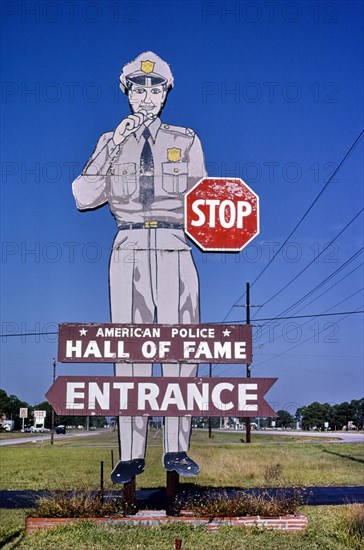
275,94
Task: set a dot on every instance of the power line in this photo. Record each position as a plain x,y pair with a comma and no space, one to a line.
300,343
352,147
279,316
309,264
352,258
310,316
323,313
239,321
28,334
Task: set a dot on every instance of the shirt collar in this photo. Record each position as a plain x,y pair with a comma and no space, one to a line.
153,129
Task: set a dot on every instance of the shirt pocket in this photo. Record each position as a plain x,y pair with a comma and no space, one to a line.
124,179
174,177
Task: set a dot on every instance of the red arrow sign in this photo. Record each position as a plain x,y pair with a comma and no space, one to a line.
222,214
127,396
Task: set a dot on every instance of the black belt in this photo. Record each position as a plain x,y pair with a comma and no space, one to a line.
150,225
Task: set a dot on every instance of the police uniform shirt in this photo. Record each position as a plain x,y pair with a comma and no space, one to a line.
112,174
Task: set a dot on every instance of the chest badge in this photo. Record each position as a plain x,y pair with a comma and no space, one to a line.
174,154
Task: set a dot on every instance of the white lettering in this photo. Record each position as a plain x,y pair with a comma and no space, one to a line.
173,396
148,391
203,349
243,397
201,216
222,350
149,349
222,215
240,350
102,397
188,347
92,349
229,212
123,388
107,349
216,396
164,347
244,209
194,395
72,394
77,348
121,352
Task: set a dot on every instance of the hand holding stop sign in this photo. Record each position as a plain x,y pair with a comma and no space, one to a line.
222,214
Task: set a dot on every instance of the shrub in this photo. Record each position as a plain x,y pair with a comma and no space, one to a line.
79,504
354,525
242,504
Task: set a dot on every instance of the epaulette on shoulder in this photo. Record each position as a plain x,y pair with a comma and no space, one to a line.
107,135
178,130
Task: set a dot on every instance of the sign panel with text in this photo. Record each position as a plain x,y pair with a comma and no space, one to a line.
153,343
137,396
222,214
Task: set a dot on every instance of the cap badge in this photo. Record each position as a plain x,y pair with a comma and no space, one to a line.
147,66
174,154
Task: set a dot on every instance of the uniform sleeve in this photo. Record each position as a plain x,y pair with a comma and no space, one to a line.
196,164
90,189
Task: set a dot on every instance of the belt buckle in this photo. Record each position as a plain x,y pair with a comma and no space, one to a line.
150,225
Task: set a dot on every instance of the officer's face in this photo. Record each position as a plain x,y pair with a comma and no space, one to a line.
147,98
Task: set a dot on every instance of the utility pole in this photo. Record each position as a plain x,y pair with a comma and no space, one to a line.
248,373
54,379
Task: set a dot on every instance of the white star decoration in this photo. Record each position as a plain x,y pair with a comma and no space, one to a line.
83,332
226,332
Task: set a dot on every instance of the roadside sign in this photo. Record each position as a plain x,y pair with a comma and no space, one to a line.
167,396
23,412
222,214
109,343
40,414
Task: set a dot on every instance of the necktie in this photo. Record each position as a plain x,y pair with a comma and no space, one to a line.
146,190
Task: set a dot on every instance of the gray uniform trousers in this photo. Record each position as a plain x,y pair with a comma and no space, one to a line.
153,279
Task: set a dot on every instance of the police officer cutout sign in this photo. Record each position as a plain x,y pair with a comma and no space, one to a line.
144,170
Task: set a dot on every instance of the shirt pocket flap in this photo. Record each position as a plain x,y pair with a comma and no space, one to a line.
175,168
126,169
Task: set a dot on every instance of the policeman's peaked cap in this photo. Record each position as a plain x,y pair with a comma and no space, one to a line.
146,70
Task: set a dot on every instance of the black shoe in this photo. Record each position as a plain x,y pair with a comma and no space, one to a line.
125,470
180,463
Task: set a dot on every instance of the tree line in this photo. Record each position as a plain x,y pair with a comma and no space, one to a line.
319,416
10,406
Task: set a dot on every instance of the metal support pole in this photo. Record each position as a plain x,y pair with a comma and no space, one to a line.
102,481
210,423
129,496
247,420
52,424
171,492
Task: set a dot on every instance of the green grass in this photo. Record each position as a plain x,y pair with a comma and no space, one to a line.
224,461
327,530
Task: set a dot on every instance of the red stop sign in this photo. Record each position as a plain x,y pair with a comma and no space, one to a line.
221,214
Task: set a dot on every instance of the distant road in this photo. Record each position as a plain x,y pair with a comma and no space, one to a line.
343,437
46,437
